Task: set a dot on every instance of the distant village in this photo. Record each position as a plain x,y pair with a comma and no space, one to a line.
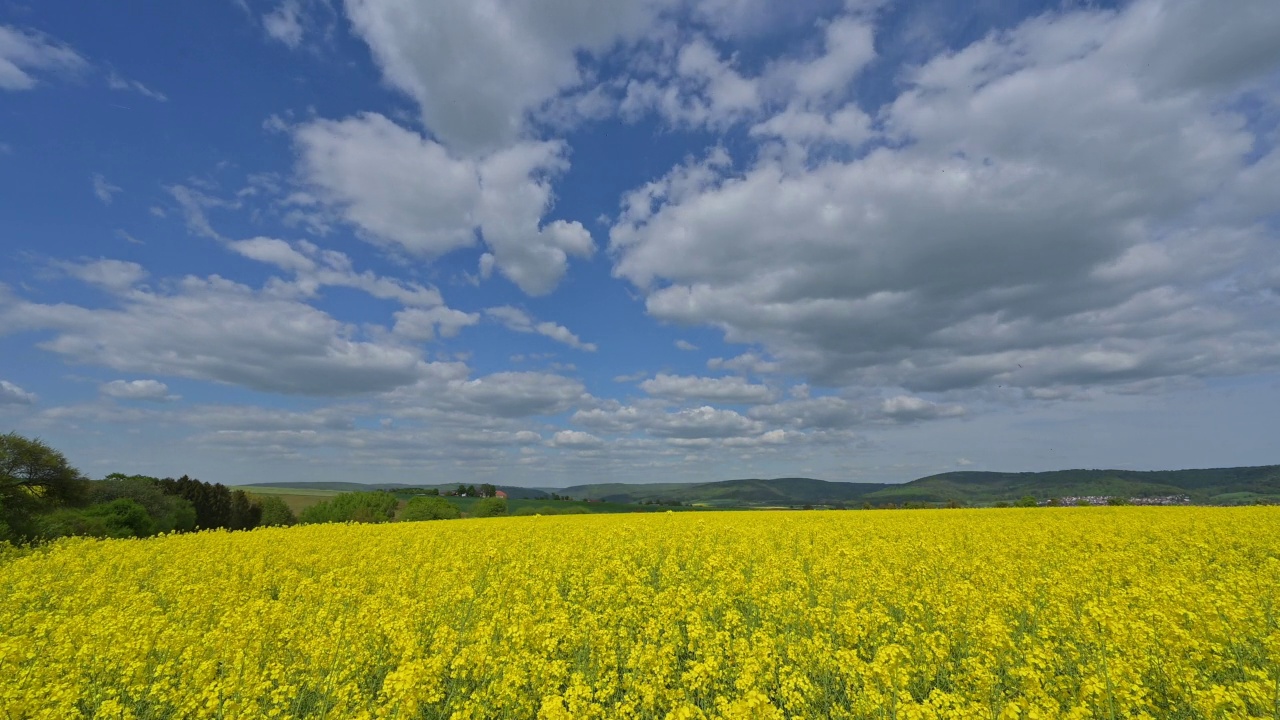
1109,500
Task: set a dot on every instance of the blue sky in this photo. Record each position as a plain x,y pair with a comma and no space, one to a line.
555,243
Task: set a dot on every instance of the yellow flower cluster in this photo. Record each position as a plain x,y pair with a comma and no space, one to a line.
1037,613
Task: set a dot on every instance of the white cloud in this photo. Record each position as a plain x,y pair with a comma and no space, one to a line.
685,345
11,394
137,390
705,90
274,252
702,422
104,190
477,68
315,268
848,48
514,318
113,275
575,440
219,330
748,362
732,390
195,206
406,192
115,81
285,23
816,413
1061,196
906,408
514,394
25,53
426,324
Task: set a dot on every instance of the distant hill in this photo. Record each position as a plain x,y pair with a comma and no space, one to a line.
1217,485
784,492
1226,486
1214,485
513,492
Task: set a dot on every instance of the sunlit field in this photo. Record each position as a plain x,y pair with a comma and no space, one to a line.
1036,613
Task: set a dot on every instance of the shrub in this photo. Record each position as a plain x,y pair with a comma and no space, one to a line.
367,507
1025,501
490,507
169,512
1117,500
275,511
119,518
429,507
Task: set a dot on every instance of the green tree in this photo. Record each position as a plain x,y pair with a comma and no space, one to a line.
245,513
490,507
1117,500
211,501
34,478
120,518
488,490
428,507
275,511
370,507
169,512
1025,501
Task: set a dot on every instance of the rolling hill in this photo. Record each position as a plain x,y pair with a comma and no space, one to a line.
1226,486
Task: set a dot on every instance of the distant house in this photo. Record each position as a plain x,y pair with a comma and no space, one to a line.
500,493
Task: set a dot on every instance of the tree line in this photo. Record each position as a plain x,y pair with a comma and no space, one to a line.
42,497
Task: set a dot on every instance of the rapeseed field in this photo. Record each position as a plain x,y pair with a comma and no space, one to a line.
1036,613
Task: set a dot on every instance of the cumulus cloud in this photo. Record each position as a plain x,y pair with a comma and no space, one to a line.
518,320
113,275
685,345
477,69
25,54
314,268
137,390
748,362
733,390
426,324
215,329
515,394
702,423
1054,204
705,90
906,408
284,24
11,394
575,440
406,192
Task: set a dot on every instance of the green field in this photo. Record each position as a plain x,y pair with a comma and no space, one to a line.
298,499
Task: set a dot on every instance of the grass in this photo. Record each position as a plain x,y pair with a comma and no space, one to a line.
297,499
